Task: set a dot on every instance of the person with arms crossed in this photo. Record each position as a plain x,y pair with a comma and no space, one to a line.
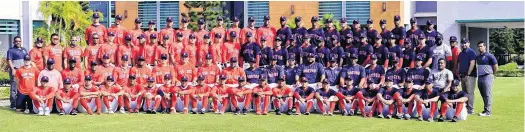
91,51
396,74
119,30
440,51
95,27
73,73
313,71
55,51
109,48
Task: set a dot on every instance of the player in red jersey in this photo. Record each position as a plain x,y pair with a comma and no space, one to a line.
90,97
150,95
168,30
266,30
91,51
233,72
191,50
250,28
162,69
219,29
201,31
219,94
160,49
262,94
119,30
141,71
37,55
103,71
109,48
234,28
136,50
184,92
186,69
203,48
25,77
73,51
125,49
55,52
42,97
240,94
176,50
165,92
96,27
136,32
92,69
282,97
75,74
209,71
67,99
215,48
184,30
111,95
231,48
133,95
148,50
200,96
151,30
121,73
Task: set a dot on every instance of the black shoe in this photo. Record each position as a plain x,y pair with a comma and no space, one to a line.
154,112
277,112
351,112
236,112
441,119
193,112
455,119
201,112
148,111
244,111
307,113
62,112
289,112
74,112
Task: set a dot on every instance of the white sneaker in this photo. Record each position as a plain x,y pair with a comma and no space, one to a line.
40,111
26,111
484,114
110,111
122,111
47,111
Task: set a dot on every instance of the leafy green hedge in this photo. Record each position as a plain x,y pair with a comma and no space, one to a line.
510,70
4,79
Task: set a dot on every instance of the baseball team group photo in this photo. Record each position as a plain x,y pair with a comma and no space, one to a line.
262,66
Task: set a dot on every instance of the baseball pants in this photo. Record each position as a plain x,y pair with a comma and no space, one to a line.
90,104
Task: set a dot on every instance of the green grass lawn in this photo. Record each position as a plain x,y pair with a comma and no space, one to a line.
507,116
4,92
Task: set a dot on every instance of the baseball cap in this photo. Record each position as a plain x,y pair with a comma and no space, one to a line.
233,60
413,20
200,21
355,21
169,19
251,19
370,21
382,21
292,38
397,18
266,17
319,38
179,34
184,20
166,36
373,56
218,35
128,37
132,76
27,57
263,38
141,58
67,81
280,78
348,78
137,21
233,34
111,34
395,59
118,17
125,57
455,82
310,55
110,78
192,36
50,61
249,34
241,79
206,36
184,54
429,22
222,77
408,41
390,35
94,63
279,38
325,81
150,79
209,56
349,36
87,77
105,56
153,36
343,20
453,39
353,56
151,23
72,60
464,40
298,19
329,20
39,40
141,36
235,19
421,36
315,19
164,56
378,37
291,57
304,79
167,77
44,79
96,15
201,77
334,59
362,35
219,18
282,18
250,60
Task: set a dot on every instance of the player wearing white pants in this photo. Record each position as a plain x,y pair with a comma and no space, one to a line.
42,97
453,104
111,96
304,98
282,97
219,95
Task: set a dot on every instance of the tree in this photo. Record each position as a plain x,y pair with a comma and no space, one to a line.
502,41
210,11
67,18
322,21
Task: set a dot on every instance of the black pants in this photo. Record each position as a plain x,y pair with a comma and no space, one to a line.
24,102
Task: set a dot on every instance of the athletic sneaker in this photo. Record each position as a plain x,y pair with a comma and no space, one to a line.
47,111
122,111
407,116
244,111
388,116
26,111
380,115
430,120
277,112
420,118
399,115
264,113
40,111
455,119
154,112
307,113
441,119
351,112
485,114
74,112
202,112
110,111
345,113
236,112
61,112
330,114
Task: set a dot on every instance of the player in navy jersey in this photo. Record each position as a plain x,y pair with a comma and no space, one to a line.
323,52
430,33
313,71
418,74
315,31
375,73
386,96
348,96
253,74
297,50
337,50
308,48
304,96
284,30
406,98
414,33
425,51
384,32
453,99
280,52
292,73
357,31
370,97
409,55
266,53
300,31
273,71
371,33
249,50
396,74
355,72
364,51
381,51
427,97
393,50
399,31
345,31
332,74
330,32
326,99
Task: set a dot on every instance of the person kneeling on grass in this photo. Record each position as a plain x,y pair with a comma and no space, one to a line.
427,97
386,96
262,94
68,95
326,98
150,94
453,98
42,97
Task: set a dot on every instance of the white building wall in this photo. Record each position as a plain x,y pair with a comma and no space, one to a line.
14,10
450,11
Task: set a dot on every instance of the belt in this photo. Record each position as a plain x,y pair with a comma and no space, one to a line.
485,75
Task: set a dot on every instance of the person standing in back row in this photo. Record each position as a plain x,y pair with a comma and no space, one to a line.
487,66
466,69
15,59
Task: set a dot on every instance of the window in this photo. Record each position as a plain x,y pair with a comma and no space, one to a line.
331,7
147,12
257,10
102,7
359,10
169,9
9,27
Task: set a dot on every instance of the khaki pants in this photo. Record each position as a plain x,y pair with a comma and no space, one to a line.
468,85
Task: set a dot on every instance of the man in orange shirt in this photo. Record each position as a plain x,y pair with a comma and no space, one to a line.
234,28
191,50
183,91
150,95
26,77
240,94
233,72
186,69
215,48
219,94
96,27
162,69
148,50
42,97
90,96
91,51
112,93
250,28
168,30
36,54
266,30
209,71
133,95
230,49
136,51
73,51
119,30
161,49
220,29
200,95
75,74
282,97
92,70
136,32
262,94
141,71
176,49
125,49
151,30
121,73
165,91
109,48
203,48
184,30
67,99
105,70
202,30
54,51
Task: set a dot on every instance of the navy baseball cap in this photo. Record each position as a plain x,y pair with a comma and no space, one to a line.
125,57
184,79
249,34
132,76
353,56
206,36
413,20
141,58
429,22
355,21
397,18
118,17
209,56
453,39
464,40
233,60
141,36
169,19
250,60
235,19
93,63
282,18
39,40
419,57
166,36
201,77
218,35
241,79
304,79
421,36
408,41
329,20
184,20
111,34
87,78
298,19
280,78
349,36
382,21
128,37
373,56
233,34
370,21
150,79
164,56
110,78
395,59
319,38
67,81
266,17
222,77
292,38
105,56
179,34
151,23
325,81
389,80
362,35
200,21
251,19
50,61
27,57
315,19
192,36
455,83
310,55
153,36
279,38
219,18
96,15
291,57
334,59
167,77
72,60
137,21
378,37
263,38
184,55
44,79
343,20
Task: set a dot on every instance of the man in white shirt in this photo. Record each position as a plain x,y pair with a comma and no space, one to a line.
442,77
440,50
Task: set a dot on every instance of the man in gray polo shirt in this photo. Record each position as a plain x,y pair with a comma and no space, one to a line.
15,59
442,77
487,66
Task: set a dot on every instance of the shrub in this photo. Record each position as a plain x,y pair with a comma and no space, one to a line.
510,70
4,79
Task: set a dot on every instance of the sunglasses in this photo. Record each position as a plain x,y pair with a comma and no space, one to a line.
55,38
95,38
18,41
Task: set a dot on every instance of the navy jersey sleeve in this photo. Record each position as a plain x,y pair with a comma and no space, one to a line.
320,68
256,50
381,91
402,75
426,73
9,54
403,34
472,55
362,72
331,92
492,60
369,50
429,52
